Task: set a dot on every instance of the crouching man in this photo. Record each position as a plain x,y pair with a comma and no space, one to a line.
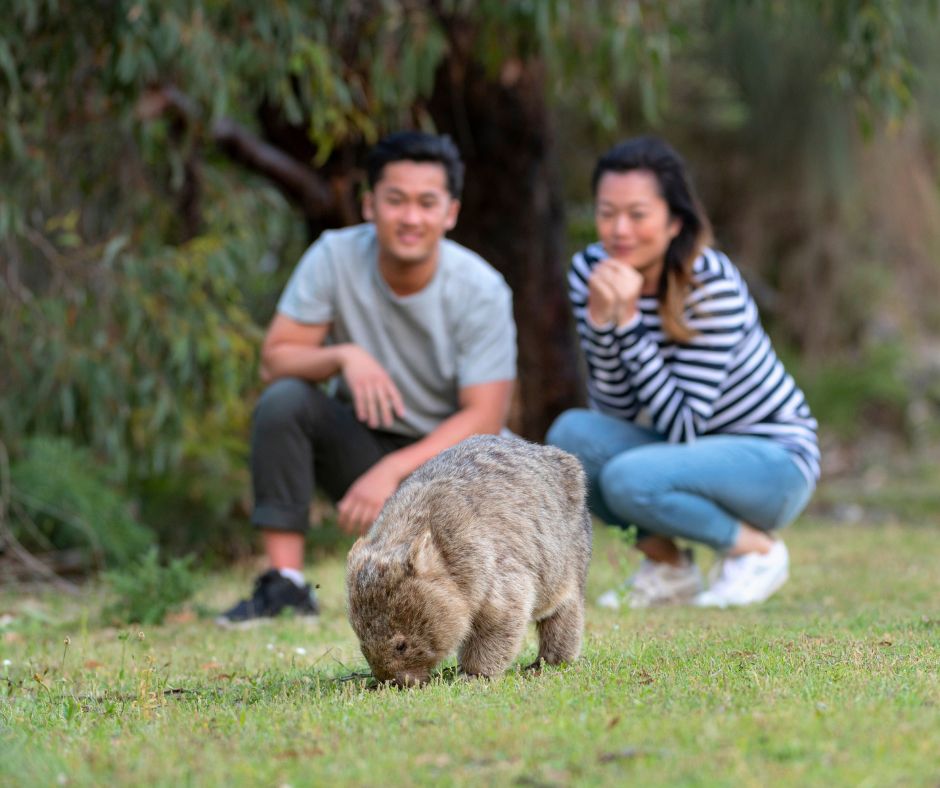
414,333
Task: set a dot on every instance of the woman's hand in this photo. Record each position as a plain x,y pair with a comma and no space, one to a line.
613,292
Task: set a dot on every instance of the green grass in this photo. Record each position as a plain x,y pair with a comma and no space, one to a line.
833,681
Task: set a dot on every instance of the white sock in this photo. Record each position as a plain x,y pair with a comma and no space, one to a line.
294,575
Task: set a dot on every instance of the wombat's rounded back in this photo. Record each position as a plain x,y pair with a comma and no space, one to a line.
493,499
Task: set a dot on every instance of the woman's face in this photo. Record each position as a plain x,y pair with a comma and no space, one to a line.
634,223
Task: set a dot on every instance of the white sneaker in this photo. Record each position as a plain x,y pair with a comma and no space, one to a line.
747,579
657,583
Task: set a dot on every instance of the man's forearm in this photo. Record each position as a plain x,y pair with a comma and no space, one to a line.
302,361
463,424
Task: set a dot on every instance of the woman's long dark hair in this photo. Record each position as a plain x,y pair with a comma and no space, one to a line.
653,155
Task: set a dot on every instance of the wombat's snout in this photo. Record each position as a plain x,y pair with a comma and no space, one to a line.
411,678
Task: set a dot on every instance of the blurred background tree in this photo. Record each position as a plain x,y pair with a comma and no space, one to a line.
165,163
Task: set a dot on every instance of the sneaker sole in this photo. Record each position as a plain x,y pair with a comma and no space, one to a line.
773,588
678,600
723,604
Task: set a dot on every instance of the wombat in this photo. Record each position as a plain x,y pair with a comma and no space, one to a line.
487,536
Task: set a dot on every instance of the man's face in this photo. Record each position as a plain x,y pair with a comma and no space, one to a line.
411,209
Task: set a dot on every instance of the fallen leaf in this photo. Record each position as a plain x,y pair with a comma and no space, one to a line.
212,666
625,753
614,721
181,617
13,637
293,754
93,664
433,759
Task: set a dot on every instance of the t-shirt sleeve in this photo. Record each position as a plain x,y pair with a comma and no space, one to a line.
310,294
486,338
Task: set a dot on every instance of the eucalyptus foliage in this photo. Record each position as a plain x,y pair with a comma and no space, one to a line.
62,498
137,262
86,71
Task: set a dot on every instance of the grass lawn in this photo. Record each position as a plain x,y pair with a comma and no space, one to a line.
833,681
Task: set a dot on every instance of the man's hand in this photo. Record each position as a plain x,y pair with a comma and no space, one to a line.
613,291
367,495
376,398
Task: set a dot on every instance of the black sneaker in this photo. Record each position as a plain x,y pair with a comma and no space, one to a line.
273,595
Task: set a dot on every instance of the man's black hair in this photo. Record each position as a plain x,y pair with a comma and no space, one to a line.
417,146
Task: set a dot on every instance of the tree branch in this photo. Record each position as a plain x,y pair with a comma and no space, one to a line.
298,181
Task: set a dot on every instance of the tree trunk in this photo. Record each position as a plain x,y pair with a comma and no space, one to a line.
513,216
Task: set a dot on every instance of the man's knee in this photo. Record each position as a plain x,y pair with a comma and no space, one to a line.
287,402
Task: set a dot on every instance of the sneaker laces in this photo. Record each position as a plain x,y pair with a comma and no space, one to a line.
747,578
731,568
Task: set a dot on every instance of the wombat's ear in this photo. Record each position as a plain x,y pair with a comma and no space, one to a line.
355,552
424,558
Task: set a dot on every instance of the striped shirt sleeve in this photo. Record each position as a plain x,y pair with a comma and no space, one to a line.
610,389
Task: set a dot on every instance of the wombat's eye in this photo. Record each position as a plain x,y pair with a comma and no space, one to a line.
401,646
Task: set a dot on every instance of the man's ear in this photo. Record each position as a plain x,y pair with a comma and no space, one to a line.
452,211
368,207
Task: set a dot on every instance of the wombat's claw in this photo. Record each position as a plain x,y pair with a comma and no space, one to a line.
449,673
354,677
536,667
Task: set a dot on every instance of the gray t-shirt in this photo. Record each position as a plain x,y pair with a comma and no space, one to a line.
456,332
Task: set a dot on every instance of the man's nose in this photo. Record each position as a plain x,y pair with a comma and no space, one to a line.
411,214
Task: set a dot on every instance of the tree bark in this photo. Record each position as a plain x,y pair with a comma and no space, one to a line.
512,214
297,180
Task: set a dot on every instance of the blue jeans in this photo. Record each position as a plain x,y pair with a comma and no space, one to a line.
699,491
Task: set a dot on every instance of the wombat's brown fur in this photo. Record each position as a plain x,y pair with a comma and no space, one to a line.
478,541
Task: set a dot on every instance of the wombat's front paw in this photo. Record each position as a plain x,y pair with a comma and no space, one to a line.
464,676
536,667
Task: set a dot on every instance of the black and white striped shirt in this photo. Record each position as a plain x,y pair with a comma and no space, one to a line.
725,380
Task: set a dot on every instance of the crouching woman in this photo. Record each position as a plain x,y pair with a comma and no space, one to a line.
695,431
